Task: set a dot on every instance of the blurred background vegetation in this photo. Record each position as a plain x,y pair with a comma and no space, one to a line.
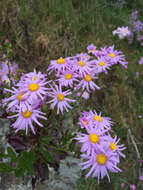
47,29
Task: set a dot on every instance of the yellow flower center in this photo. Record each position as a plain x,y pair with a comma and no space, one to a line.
101,159
112,55
7,80
98,118
60,61
33,87
68,76
84,94
85,122
20,96
3,72
83,57
35,78
101,63
60,97
26,114
112,146
81,63
87,78
92,50
94,138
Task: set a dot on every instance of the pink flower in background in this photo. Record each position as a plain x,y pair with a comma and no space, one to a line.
6,40
78,94
122,185
91,48
59,98
137,74
122,32
141,61
141,178
132,187
85,95
4,71
139,116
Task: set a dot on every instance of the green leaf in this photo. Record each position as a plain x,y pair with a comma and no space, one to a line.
11,154
5,167
2,156
25,163
46,154
19,172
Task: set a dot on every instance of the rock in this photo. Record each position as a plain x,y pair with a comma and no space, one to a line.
10,182
65,178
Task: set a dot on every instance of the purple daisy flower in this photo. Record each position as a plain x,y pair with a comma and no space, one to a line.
91,48
87,82
114,57
34,76
34,88
112,143
83,122
19,98
101,64
83,57
122,32
4,72
25,119
100,162
99,122
141,61
67,78
85,95
13,68
90,141
58,65
59,98
82,67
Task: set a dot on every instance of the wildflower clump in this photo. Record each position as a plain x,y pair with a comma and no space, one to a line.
73,75
134,30
26,101
7,71
99,149
122,32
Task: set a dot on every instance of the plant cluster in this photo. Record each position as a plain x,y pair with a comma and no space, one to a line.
33,123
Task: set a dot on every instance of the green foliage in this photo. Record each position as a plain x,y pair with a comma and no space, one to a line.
5,167
25,164
46,154
11,154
